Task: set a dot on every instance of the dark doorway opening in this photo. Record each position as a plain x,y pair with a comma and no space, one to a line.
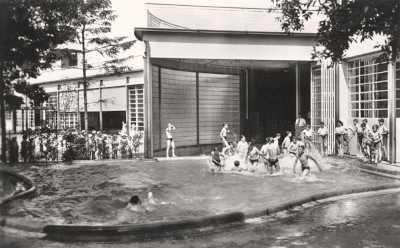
272,101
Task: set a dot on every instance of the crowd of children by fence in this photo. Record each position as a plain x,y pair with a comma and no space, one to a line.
68,145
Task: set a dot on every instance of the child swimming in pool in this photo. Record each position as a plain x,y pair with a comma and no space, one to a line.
216,158
303,158
134,204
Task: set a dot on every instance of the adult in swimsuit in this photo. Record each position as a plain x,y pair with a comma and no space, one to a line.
303,158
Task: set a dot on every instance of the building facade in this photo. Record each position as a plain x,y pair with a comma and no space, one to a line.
206,66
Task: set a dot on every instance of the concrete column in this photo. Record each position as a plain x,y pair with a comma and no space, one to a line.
127,118
101,106
148,116
78,114
298,93
159,109
392,111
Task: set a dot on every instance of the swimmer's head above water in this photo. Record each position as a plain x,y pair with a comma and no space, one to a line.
236,163
135,200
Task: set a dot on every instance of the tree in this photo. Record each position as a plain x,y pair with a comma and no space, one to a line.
345,22
29,32
92,23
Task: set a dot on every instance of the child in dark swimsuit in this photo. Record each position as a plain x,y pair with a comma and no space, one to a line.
303,158
216,159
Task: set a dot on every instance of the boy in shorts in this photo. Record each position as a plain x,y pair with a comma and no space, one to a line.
322,138
286,142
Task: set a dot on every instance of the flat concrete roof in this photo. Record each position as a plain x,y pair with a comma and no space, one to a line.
139,32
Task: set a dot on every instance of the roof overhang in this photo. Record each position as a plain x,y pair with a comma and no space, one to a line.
226,45
139,32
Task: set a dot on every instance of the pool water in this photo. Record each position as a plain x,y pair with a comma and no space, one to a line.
97,193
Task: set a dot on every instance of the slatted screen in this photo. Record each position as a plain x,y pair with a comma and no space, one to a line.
219,102
178,106
197,104
323,102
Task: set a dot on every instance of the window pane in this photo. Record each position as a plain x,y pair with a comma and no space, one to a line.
354,97
382,67
366,96
381,113
366,105
354,114
365,88
353,105
397,93
397,103
381,104
382,76
366,113
397,84
381,86
381,95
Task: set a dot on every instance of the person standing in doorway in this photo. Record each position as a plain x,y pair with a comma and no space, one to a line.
170,140
299,126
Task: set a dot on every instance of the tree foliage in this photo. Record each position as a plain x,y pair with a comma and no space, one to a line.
92,23
346,22
30,31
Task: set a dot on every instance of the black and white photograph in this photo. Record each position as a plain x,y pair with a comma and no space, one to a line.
199,123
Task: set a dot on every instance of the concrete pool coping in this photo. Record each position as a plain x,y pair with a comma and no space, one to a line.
118,233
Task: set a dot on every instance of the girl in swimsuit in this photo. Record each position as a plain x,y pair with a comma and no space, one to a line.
223,134
253,154
303,158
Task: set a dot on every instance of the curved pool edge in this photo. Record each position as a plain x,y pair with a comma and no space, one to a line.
129,232
15,177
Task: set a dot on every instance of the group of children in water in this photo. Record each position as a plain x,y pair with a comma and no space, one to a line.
270,152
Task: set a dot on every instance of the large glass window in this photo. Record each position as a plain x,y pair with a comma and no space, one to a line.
136,107
368,88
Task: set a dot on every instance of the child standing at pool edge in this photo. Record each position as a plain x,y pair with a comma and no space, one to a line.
223,134
170,140
322,138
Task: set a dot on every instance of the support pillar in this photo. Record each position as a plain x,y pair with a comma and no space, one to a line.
298,93
127,115
101,106
148,116
392,112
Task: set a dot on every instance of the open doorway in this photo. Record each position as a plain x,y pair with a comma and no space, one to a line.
272,100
